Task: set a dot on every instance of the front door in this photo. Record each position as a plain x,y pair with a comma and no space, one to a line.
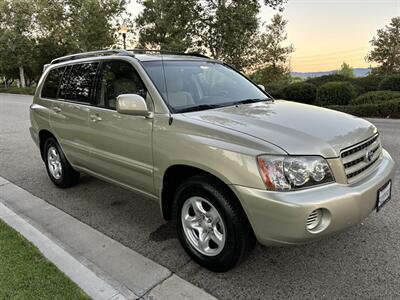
121,144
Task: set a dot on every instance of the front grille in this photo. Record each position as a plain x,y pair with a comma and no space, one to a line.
358,158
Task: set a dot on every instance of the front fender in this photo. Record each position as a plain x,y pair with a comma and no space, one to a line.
226,154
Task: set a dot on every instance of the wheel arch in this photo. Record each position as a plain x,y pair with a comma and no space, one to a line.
176,174
43,136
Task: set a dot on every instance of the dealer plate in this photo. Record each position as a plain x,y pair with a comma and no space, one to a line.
384,195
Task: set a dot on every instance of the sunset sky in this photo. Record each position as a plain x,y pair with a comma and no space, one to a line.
327,32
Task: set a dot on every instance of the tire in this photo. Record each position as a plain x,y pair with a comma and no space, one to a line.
58,168
227,237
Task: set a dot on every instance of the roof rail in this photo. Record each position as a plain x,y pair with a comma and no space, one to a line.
90,54
144,51
129,52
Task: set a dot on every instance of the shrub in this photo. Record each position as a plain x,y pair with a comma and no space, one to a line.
318,81
17,90
275,89
388,109
367,83
375,97
340,93
390,83
301,92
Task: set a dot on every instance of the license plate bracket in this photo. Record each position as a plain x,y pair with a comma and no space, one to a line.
384,195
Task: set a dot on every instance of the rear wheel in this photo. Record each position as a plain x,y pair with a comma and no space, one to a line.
211,226
58,168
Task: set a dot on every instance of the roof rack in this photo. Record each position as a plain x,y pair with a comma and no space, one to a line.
129,52
90,54
172,52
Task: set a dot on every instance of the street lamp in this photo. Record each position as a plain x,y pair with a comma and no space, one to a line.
123,30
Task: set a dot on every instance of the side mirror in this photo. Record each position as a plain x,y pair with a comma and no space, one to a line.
132,104
261,87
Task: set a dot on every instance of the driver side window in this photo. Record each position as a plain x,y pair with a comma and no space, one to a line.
118,77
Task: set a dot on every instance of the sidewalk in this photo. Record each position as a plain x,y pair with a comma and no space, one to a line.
102,267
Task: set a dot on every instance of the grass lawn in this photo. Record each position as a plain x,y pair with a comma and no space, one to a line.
26,274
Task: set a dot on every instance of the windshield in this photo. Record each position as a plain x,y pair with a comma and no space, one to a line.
196,85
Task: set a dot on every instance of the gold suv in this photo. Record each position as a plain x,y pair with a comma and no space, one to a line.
226,162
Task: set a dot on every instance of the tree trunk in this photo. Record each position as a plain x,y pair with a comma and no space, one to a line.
22,76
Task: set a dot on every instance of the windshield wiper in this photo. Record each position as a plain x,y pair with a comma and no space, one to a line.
252,100
199,107
210,106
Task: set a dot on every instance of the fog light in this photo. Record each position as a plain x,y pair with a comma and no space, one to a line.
314,219
318,220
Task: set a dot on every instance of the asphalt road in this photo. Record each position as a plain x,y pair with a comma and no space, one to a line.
363,262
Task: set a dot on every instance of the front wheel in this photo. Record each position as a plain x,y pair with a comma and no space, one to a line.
211,226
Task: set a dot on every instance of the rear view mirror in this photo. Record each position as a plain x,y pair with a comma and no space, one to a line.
132,104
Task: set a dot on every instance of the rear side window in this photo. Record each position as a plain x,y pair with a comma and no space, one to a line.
64,83
50,86
80,82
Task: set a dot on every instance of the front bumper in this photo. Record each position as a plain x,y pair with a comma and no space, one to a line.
279,218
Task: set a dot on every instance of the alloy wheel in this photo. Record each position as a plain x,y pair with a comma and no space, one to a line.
203,226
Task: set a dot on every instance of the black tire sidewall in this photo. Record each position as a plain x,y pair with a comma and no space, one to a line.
233,248
69,177
52,143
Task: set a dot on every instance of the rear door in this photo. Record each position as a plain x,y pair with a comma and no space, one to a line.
70,112
121,144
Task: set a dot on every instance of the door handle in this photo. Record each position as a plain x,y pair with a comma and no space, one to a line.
95,118
56,109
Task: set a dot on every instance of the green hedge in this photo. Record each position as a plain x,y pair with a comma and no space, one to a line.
390,83
375,97
388,109
301,92
275,89
363,84
368,83
336,93
17,90
321,80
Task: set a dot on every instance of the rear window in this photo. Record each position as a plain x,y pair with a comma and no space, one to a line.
50,86
80,83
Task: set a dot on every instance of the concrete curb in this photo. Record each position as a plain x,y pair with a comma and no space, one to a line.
102,267
86,279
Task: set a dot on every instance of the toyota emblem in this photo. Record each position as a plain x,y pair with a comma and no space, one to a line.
369,155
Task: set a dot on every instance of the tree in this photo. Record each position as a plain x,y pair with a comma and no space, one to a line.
224,29
33,32
228,29
167,24
80,25
386,49
16,40
271,56
346,70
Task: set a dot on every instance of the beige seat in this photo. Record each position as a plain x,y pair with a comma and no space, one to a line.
176,95
122,86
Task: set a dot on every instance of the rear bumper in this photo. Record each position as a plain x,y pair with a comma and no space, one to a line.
279,218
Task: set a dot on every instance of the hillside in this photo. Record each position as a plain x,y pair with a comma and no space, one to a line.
359,72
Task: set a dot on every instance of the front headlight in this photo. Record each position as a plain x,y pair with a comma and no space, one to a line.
285,173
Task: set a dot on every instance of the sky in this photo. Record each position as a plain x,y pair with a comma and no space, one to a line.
326,33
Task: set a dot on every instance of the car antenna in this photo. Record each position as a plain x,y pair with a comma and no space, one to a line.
166,89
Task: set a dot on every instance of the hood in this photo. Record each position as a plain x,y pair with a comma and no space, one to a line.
298,129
